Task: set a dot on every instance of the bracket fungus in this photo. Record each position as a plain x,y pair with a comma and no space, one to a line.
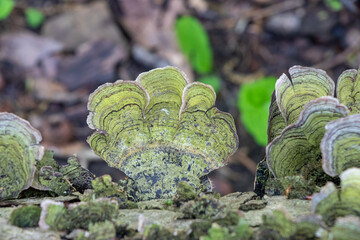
340,146
19,151
290,125
301,106
291,95
160,129
348,90
306,84
298,144
331,202
299,152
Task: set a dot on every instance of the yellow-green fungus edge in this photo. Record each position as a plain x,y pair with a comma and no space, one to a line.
305,84
340,145
19,151
348,90
298,144
276,122
160,129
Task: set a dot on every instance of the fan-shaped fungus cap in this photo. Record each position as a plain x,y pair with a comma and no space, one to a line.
291,95
19,151
160,130
298,144
304,85
295,149
348,90
340,145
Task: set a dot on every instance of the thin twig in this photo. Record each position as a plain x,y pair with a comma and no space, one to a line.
241,155
273,9
339,58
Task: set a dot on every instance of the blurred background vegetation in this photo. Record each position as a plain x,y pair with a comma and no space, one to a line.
54,53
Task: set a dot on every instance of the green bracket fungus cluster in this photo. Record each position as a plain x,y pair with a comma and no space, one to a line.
309,132
166,135
19,151
160,130
298,144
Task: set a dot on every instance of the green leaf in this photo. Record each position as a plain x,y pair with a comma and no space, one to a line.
253,103
34,17
6,6
335,5
214,81
194,43
243,230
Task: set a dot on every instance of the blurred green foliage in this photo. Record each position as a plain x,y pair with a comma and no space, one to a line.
253,102
241,231
335,5
194,43
6,6
34,17
212,80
